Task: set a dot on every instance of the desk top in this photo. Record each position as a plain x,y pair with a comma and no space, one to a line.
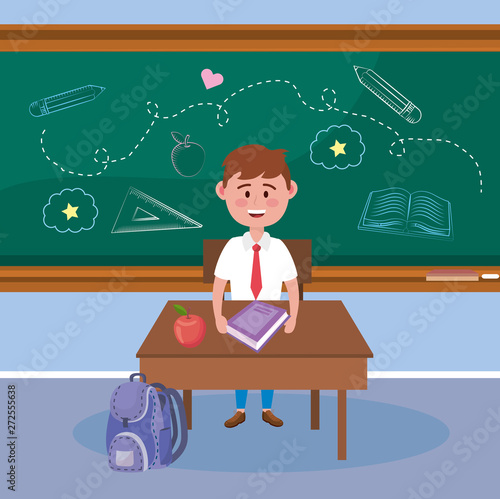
324,329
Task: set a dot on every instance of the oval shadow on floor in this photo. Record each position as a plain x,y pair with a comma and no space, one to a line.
376,433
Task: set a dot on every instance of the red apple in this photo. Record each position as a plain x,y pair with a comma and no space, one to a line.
189,329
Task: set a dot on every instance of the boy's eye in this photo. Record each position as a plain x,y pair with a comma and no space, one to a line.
266,194
247,194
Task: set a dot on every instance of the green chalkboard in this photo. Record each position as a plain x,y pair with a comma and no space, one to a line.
280,100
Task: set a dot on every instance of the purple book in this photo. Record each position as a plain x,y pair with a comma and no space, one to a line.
256,324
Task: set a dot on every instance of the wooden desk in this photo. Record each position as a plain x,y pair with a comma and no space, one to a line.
325,352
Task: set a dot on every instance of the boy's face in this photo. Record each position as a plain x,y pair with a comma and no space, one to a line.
258,202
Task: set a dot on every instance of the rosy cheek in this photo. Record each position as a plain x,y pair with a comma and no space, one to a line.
272,203
241,203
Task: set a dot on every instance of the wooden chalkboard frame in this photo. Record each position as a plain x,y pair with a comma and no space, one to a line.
203,37
178,38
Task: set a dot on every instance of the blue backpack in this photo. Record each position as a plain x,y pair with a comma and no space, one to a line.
143,427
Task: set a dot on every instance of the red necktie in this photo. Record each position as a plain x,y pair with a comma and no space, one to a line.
256,284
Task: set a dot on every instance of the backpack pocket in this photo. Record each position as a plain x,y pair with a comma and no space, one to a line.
127,452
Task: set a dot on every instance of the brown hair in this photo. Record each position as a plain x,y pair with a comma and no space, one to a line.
254,160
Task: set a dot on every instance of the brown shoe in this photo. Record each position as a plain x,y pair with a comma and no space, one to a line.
270,418
237,419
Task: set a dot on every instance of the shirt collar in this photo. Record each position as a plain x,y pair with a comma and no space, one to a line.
264,242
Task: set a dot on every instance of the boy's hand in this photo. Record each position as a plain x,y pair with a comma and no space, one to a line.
221,323
290,325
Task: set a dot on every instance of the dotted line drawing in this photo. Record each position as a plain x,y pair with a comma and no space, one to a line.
447,142
105,162
329,107
221,109
221,112
156,115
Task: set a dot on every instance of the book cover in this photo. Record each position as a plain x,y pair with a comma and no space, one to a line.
396,211
256,324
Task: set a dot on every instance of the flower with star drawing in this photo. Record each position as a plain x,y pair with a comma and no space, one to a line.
70,210
337,147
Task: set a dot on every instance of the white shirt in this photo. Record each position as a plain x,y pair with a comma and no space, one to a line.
236,261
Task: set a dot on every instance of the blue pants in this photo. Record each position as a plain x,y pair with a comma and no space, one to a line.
266,395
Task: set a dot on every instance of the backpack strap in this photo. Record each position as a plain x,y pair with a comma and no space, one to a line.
181,421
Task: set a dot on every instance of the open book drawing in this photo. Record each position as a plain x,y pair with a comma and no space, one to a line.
396,211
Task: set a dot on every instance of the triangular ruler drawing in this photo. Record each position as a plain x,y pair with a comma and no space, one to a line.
140,213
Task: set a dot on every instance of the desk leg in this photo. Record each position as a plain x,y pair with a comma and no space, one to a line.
314,409
187,398
342,424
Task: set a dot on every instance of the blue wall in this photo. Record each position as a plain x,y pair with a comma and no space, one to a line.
249,11
102,332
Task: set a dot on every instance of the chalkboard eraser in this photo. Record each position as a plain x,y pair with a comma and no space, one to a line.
452,275
490,276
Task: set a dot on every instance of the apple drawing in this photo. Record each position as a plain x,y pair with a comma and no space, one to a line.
189,329
187,157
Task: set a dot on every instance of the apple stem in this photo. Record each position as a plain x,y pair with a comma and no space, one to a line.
186,141
187,315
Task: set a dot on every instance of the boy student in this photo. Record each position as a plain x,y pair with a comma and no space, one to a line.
256,187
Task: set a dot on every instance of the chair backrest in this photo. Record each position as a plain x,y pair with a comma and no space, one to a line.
300,249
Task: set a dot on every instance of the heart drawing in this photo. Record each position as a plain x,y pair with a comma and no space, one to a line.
211,80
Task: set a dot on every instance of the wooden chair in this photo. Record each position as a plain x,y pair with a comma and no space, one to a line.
301,252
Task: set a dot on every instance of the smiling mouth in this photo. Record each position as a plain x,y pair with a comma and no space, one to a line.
256,213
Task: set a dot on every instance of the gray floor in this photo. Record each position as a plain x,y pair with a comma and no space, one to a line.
52,464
